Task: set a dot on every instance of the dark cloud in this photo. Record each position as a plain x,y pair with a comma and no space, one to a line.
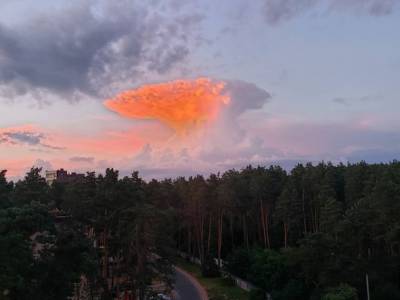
29,138
26,138
371,7
277,11
363,99
91,47
82,159
245,96
340,100
281,10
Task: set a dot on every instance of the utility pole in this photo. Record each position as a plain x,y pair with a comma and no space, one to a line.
367,284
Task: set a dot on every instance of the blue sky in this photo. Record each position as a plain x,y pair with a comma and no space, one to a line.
331,68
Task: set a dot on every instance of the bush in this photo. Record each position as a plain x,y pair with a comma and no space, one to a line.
209,268
386,292
294,290
268,270
257,294
238,263
228,281
342,292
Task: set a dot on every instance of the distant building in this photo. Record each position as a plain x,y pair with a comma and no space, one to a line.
62,175
50,177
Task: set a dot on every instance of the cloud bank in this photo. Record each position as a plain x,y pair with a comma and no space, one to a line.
92,47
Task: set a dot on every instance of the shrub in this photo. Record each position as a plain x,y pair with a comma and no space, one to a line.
268,270
257,294
238,263
386,292
209,268
228,281
294,290
342,292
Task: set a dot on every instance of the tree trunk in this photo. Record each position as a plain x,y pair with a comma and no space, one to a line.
263,223
286,231
105,258
267,230
219,240
209,235
314,229
304,211
202,238
231,229
189,241
245,232
140,258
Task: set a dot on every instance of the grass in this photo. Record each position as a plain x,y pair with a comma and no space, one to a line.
217,288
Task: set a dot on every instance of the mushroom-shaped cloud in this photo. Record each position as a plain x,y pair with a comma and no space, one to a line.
183,105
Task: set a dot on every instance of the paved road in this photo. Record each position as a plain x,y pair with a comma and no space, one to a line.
186,287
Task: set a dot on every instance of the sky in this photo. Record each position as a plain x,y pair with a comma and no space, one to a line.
175,87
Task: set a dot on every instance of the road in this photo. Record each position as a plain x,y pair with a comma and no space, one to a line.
187,288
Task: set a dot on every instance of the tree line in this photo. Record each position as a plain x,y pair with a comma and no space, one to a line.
316,232
101,227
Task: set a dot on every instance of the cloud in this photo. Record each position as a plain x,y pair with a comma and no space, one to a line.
253,137
183,105
217,143
26,135
92,47
30,138
265,140
277,11
82,159
44,164
371,7
363,100
340,100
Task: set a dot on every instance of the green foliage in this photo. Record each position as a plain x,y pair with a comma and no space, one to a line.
238,262
342,292
294,235
15,265
25,220
268,269
257,294
388,291
293,290
5,190
63,265
209,268
32,189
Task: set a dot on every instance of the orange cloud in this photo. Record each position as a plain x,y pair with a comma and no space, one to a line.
183,105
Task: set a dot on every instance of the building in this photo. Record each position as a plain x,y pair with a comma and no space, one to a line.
62,175
50,177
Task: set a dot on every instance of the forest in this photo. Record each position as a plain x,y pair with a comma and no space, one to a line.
319,231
